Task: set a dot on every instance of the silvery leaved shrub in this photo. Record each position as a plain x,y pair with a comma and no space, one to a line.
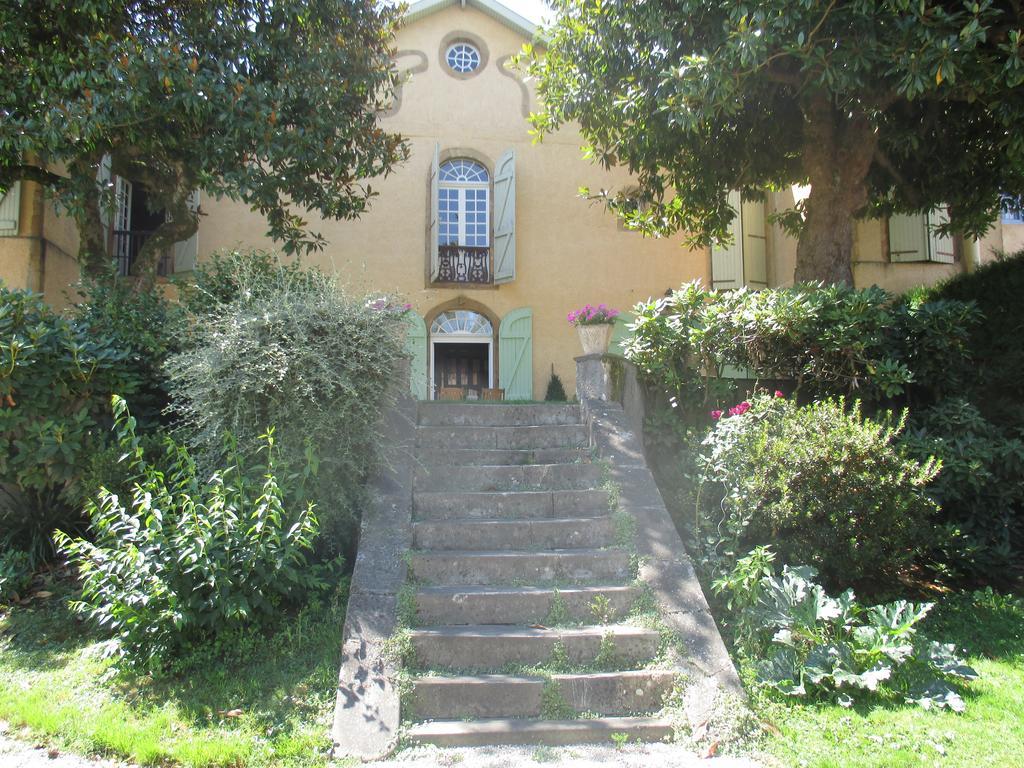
276,345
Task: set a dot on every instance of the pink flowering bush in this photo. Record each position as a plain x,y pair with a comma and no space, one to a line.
602,314
821,483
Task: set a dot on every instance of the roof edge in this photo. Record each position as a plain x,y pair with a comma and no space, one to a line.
492,8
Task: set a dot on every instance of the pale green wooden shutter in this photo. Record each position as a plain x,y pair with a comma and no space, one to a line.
515,354
10,211
727,258
432,224
620,332
187,251
416,349
505,218
940,247
755,245
908,238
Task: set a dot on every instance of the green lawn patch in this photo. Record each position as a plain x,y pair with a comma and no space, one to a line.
265,701
990,629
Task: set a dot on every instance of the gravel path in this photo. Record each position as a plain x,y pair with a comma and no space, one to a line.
583,756
21,754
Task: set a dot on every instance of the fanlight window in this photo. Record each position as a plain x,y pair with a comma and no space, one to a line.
465,171
463,323
462,58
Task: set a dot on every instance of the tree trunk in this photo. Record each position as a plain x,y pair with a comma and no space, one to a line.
92,247
837,154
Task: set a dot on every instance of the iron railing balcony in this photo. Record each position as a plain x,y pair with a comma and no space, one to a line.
464,264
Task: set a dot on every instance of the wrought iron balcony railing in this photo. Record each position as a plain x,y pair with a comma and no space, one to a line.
463,264
127,243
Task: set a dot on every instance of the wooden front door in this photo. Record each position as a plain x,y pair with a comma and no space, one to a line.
461,365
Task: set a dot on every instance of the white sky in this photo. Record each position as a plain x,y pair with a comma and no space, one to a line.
534,10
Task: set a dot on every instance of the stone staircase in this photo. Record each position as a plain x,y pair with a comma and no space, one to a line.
521,584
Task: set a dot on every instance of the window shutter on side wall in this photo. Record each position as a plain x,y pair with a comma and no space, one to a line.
908,239
940,246
727,258
620,332
187,251
416,349
515,354
103,177
10,210
755,244
505,218
433,216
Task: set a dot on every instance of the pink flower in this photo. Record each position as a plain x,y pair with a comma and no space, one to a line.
778,393
716,415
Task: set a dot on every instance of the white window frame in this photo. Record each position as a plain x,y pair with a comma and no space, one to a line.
461,188
471,56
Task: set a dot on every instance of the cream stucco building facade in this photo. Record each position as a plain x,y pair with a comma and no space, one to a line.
485,222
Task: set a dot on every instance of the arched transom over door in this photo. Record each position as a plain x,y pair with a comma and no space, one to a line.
461,353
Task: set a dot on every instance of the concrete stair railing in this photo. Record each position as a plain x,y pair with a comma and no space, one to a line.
529,576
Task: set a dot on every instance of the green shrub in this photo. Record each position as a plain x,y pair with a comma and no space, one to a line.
291,350
56,380
802,642
820,483
556,390
827,340
144,326
993,382
15,573
980,488
189,558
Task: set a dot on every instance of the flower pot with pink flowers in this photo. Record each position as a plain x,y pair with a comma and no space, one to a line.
594,326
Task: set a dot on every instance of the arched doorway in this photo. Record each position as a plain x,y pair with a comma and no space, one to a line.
461,352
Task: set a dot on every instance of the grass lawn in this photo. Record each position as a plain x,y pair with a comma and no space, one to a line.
54,680
271,706
989,733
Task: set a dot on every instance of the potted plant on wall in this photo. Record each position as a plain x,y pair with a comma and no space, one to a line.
594,326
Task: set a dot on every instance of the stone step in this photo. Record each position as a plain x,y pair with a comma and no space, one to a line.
497,415
484,696
486,648
453,505
453,567
502,456
549,533
516,438
458,733
522,605
548,477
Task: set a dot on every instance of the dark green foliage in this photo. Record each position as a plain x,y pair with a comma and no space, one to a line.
288,349
980,487
820,483
804,643
275,105
556,391
56,380
144,326
879,107
15,573
189,556
825,340
994,381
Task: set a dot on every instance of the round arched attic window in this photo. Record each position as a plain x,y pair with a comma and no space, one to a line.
462,57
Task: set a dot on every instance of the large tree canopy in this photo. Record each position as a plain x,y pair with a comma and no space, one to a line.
273,103
882,107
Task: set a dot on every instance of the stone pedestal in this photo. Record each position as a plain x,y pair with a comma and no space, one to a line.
593,378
